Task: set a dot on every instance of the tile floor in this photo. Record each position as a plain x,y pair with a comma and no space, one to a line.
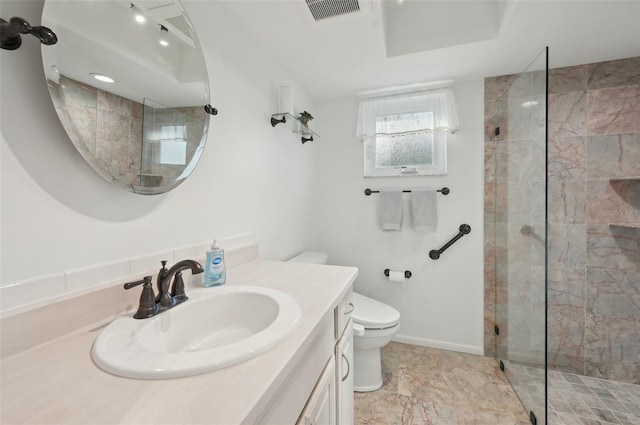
429,386
576,399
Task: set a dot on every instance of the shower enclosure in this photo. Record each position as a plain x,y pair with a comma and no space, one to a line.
520,140
562,229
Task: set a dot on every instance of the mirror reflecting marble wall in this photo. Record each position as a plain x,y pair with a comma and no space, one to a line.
129,94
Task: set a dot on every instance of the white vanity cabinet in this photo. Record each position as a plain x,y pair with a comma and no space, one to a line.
331,401
301,390
344,360
344,377
297,381
321,406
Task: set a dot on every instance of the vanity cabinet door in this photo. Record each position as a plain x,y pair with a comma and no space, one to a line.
344,377
321,407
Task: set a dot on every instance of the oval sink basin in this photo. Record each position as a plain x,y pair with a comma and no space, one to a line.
215,328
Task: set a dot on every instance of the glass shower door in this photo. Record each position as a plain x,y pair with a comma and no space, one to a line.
520,232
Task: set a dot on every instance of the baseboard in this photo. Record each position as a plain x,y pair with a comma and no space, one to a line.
442,345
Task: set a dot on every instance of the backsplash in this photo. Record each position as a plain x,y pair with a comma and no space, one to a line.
56,287
36,324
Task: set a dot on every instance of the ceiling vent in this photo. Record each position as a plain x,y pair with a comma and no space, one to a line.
324,9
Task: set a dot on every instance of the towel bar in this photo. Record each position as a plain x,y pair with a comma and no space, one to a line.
444,191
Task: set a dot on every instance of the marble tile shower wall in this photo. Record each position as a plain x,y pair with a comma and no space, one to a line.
107,129
594,218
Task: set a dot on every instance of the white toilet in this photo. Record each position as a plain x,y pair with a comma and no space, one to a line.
374,324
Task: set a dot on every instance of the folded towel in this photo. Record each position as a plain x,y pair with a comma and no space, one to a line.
390,208
424,206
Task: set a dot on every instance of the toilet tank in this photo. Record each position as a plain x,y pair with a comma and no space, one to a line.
311,257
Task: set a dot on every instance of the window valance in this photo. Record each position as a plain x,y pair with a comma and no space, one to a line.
424,111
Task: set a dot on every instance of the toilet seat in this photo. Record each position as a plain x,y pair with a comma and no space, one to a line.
373,314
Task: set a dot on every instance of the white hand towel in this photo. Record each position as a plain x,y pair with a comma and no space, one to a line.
390,208
424,206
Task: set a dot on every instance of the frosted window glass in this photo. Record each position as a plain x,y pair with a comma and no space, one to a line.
397,144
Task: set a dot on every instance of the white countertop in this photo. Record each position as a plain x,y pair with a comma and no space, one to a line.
58,383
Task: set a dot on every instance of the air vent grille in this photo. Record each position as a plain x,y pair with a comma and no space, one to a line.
324,9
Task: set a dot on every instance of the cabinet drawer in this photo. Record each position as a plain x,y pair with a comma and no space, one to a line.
342,314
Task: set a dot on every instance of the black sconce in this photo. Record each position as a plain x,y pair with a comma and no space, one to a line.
10,33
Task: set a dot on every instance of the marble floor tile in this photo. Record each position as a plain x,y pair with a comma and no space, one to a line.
430,386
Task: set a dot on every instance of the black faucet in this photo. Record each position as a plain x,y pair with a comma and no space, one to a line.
150,305
169,299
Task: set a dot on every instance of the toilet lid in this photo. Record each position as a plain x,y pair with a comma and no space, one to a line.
373,314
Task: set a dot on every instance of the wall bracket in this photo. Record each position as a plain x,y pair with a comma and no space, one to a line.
306,134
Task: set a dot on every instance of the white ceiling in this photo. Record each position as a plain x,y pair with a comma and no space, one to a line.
102,37
392,42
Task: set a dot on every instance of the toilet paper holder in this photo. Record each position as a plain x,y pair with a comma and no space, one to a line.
407,273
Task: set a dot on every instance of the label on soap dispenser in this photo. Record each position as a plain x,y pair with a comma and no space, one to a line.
215,270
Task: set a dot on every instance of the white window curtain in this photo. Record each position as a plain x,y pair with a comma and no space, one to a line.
439,103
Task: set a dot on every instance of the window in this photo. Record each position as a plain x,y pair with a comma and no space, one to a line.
173,152
172,140
406,133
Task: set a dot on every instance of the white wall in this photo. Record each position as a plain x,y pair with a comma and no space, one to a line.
442,304
58,215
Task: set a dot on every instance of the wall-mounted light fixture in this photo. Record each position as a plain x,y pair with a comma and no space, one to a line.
10,33
286,100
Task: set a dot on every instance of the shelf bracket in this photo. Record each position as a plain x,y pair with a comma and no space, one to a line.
307,135
275,121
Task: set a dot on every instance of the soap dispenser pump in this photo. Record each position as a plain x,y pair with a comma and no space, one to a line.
215,271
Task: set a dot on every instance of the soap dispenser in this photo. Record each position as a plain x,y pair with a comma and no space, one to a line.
215,272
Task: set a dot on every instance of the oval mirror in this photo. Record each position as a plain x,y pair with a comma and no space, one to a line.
129,84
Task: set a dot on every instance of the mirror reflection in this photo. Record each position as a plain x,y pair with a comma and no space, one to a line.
129,84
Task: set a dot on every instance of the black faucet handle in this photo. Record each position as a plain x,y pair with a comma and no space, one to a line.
145,280
147,306
177,290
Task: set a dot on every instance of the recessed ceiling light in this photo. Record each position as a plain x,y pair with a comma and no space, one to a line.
103,78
